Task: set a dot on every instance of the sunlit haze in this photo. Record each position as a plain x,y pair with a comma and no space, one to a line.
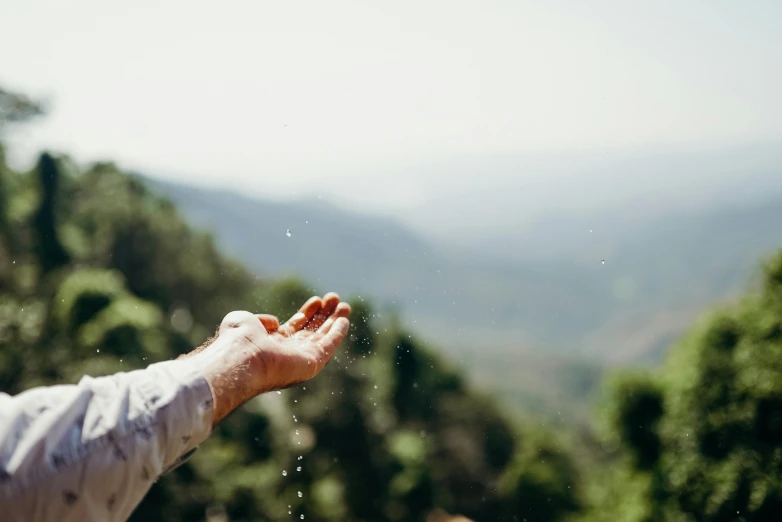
382,106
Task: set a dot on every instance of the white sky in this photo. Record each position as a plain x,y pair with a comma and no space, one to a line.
342,98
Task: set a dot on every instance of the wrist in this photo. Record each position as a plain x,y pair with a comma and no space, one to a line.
231,372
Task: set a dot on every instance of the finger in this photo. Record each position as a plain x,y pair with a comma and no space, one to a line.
330,302
270,322
342,310
300,318
332,340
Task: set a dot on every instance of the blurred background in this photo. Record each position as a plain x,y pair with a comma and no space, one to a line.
558,224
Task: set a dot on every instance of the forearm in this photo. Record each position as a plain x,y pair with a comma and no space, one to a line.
91,451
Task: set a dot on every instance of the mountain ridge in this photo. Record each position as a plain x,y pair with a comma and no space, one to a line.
570,314
597,281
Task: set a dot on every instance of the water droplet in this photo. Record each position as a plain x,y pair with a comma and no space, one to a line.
297,432
279,393
284,473
590,230
376,386
98,350
288,232
300,457
298,468
602,261
301,517
301,494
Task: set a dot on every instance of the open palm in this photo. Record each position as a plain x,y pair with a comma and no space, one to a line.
253,353
299,349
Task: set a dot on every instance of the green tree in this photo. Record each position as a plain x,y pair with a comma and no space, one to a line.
17,108
702,439
51,253
541,483
6,237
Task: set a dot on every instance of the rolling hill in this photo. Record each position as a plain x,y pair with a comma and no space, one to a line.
618,295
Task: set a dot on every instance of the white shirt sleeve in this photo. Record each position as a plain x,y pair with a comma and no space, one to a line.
91,451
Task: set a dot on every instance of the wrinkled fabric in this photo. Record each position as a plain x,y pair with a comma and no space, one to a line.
91,451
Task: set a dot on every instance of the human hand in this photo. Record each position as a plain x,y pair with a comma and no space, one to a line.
253,354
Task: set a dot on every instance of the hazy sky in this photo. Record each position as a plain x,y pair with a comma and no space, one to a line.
363,100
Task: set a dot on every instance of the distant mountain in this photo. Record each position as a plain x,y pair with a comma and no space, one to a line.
459,298
489,199
619,294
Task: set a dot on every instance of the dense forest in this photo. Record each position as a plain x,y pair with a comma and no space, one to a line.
99,275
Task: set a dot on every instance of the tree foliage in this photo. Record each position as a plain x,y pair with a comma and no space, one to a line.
702,438
17,108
